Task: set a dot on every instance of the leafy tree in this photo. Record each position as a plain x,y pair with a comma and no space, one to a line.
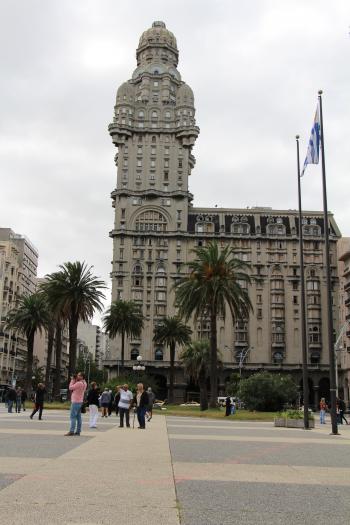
30,316
125,319
171,331
74,293
215,282
232,387
267,392
87,365
195,359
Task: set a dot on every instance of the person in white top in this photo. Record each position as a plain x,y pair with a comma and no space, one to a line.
125,400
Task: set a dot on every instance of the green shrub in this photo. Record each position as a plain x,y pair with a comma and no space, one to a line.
294,414
267,392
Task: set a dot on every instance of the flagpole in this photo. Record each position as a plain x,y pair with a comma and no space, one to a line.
303,308
332,375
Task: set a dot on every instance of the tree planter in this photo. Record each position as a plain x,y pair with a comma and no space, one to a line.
292,423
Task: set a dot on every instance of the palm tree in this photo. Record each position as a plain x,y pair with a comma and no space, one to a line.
30,316
171,331
195,358
216,280
125,319
74,293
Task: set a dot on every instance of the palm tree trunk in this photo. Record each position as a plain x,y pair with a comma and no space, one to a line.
171,373
73,331
50,339
123,349
203,391
58,348
213,359
29,371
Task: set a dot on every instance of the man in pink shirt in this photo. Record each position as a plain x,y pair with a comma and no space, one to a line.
77,386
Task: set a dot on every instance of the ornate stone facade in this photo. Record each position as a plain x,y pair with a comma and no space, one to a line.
156,228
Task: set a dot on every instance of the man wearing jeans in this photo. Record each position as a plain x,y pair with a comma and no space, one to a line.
124,405
77,387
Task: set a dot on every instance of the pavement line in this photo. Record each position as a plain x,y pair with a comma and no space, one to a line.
299,475
229,427
336,440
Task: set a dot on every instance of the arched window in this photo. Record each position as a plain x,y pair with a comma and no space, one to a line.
141,113
154,139
154,114
276,229
137,268
134,354
151,221
205,227
158,354
167,114
240,228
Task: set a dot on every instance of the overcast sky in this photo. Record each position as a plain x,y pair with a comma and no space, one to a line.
255,68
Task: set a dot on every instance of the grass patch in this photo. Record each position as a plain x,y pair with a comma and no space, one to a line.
57,405
216,413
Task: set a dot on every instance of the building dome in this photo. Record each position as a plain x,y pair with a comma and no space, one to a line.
125,92
184,96
158,34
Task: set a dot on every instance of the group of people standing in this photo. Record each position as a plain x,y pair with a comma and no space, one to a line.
122,401
341,407
16,398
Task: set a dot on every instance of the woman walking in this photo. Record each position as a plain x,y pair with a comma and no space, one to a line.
93,402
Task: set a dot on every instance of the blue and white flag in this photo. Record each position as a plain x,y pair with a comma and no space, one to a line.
313,150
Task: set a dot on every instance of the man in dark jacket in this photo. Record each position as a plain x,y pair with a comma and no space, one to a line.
11,399
39,401
141,402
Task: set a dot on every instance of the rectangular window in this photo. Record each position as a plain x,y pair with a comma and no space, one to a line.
120,281
180,163
153,163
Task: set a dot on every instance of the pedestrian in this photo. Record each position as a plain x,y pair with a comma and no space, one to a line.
323,408
124,405
342,409
24,398
117,399
18,399
228,406
110,404
77,386
93,402
39,401
233,408
105,399
141,401
151,399
11,399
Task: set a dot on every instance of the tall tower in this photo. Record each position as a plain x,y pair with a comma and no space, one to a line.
154,130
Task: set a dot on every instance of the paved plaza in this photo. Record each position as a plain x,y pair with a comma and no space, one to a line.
180,470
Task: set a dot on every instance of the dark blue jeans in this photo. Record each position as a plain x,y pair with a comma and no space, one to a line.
141,413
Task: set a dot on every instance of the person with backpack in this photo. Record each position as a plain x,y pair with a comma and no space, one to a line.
105,399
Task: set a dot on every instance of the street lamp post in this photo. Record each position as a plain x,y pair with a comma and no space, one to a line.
242,356
139,366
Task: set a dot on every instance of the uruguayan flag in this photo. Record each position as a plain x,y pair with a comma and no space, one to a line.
313,150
